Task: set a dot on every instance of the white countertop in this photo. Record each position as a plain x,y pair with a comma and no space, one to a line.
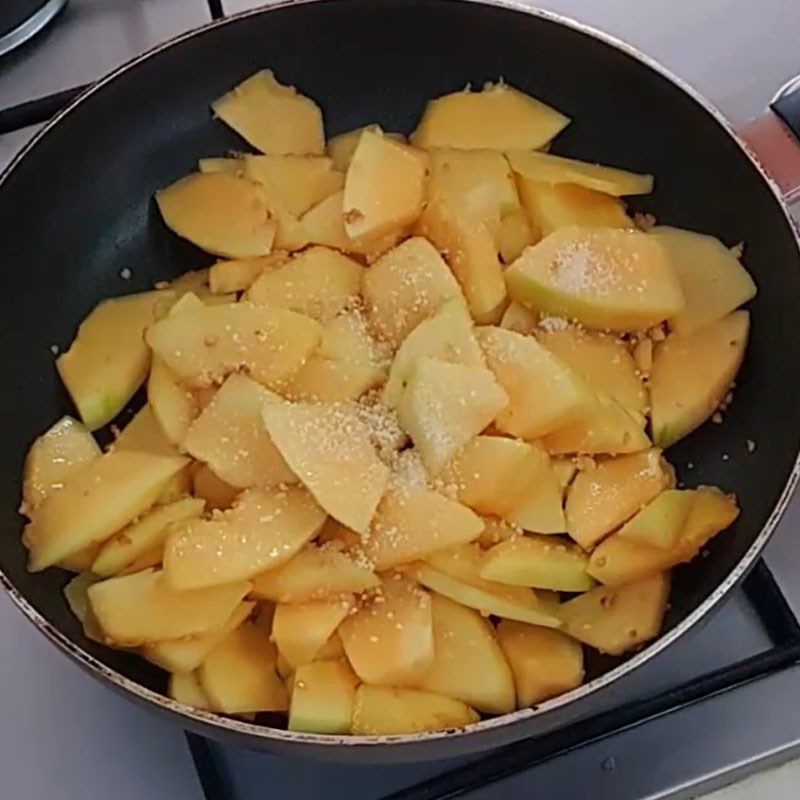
61,733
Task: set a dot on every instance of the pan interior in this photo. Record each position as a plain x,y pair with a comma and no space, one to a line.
77,210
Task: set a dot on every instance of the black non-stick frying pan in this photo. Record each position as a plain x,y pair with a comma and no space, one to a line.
75,209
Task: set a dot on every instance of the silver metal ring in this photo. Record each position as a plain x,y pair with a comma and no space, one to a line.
31,26
792,85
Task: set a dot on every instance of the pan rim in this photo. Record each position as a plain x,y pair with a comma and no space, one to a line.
196,718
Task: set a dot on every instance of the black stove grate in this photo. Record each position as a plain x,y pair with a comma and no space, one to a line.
760,587
38,110
216,9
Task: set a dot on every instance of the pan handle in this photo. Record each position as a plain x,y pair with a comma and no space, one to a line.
774,139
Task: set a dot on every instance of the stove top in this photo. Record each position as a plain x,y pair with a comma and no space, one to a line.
703,714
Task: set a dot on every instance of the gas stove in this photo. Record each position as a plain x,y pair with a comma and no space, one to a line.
716,706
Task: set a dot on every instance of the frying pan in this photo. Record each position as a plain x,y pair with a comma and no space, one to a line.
75,209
